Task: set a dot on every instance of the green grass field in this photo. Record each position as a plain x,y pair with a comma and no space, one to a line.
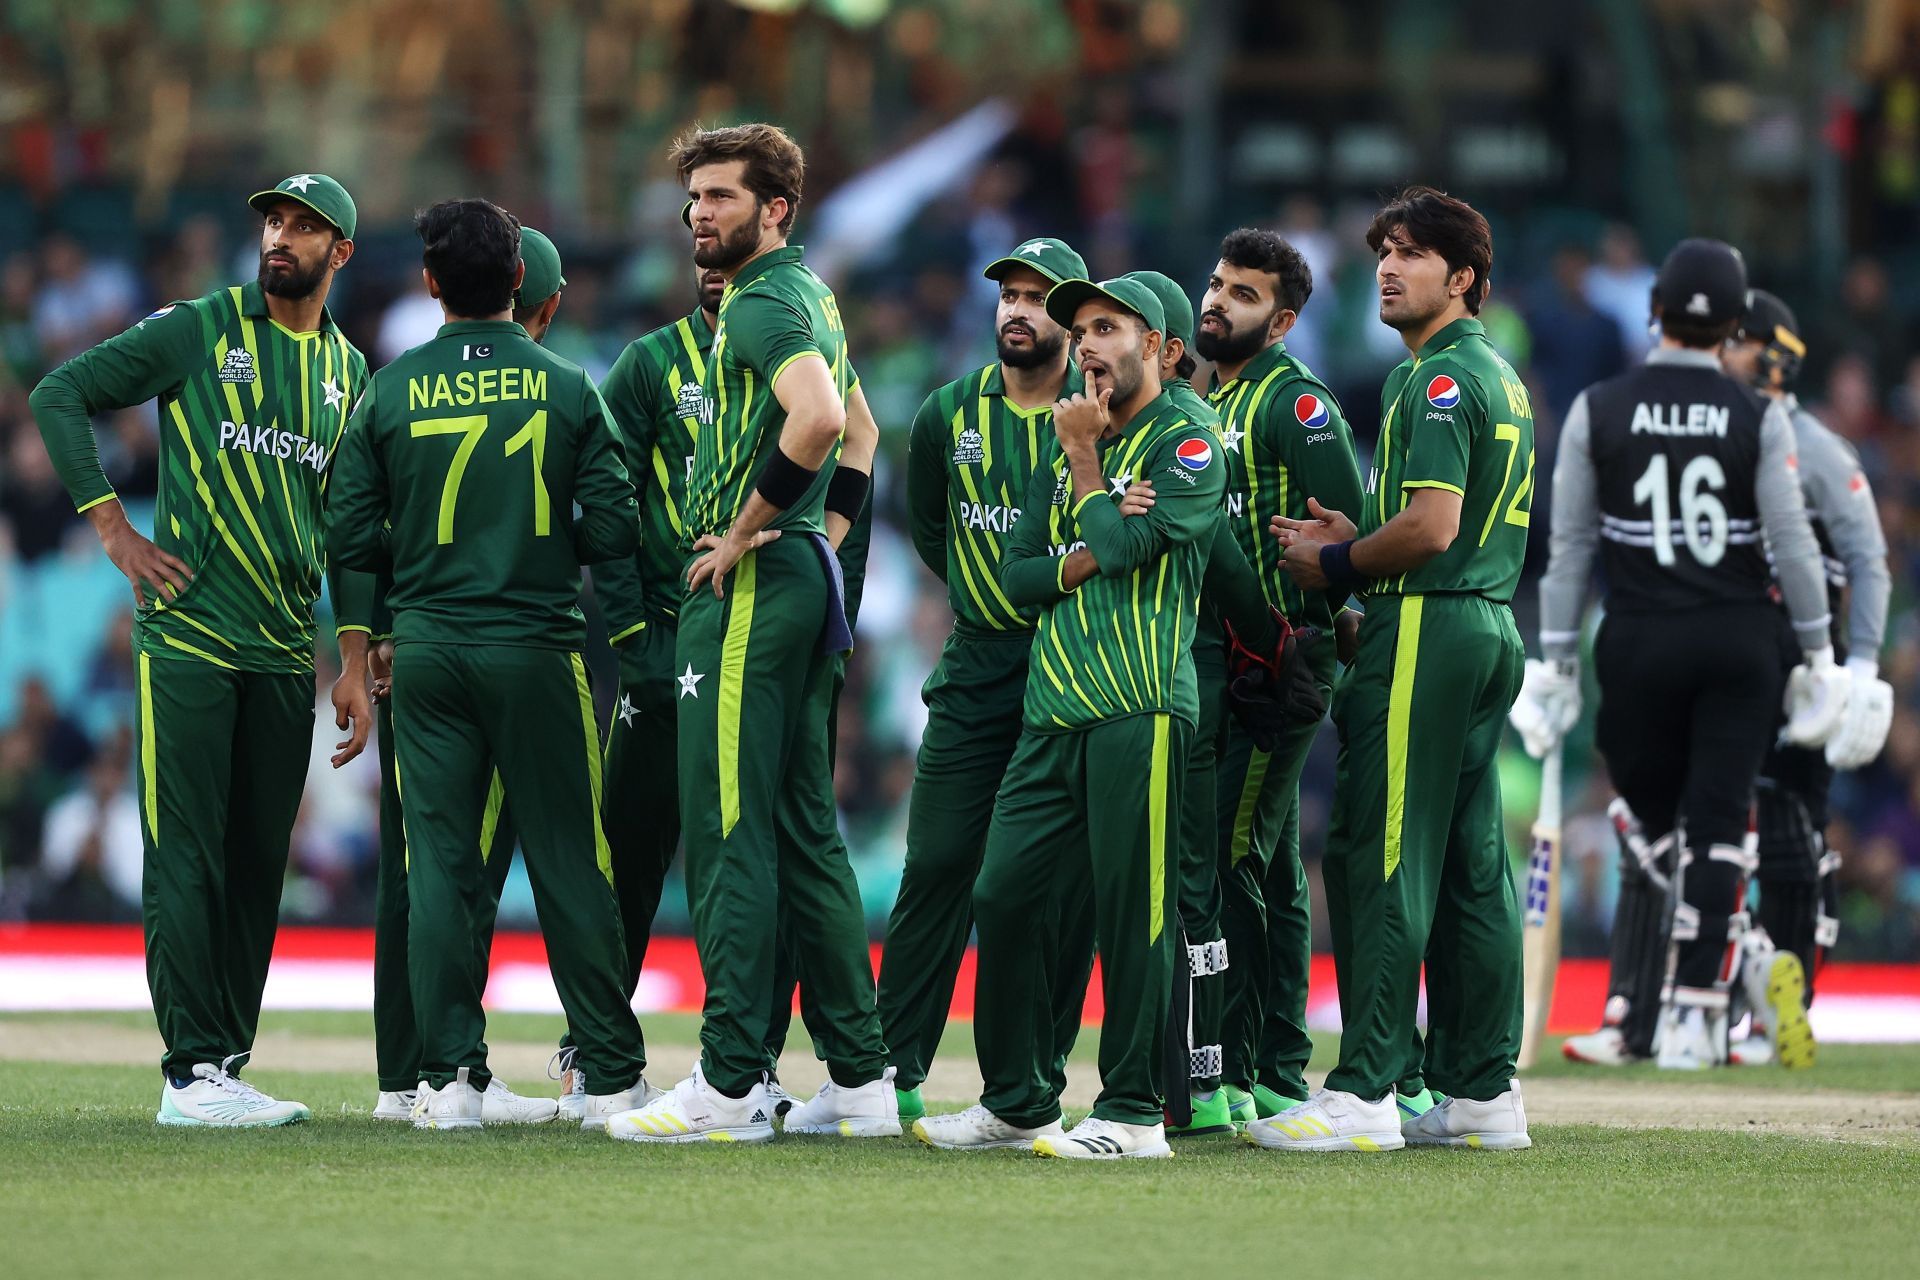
89,1186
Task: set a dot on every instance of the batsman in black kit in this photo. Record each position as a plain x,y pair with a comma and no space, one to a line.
1681,479
1798,908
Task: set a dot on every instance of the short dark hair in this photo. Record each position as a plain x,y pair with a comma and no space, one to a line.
1450,227
1691,331
473,250
1186,365
1257,249
776,168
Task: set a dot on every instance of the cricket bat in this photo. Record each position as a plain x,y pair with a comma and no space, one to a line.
1540,930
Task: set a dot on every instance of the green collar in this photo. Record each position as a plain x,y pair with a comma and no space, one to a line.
1465,327
1149,414
995,381
787,253
502,327
253,303
1258,367
702,331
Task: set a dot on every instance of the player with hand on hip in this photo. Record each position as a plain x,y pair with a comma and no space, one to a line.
254,384
778,480
460,477
1682,480
1416,865
1798,874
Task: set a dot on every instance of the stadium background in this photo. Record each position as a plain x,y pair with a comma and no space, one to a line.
938,132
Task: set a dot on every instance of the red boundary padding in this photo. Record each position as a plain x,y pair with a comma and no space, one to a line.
1578,996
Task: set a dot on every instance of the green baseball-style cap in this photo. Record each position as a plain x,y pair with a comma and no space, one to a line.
1173,301
319,193
1054,259
1123,292
543,278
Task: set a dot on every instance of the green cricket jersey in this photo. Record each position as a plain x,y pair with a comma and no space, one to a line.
774,312
461,473
657,392
969,461
1286,440
1120,644
1457,417
250,416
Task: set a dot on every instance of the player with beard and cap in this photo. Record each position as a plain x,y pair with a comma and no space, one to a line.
1286,439
1682,482
779,477
396,1032
972,453
1416,864
254,383
1093,791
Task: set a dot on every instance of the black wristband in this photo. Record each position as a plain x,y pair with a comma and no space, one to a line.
783,481
847,492
1336,562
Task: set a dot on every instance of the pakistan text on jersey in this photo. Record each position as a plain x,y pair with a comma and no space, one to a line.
988,519
1676,420
471,386
273,443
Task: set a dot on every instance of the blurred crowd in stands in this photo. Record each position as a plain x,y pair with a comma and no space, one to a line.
69,833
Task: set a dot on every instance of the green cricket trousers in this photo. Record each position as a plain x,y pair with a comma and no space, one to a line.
1098,806
1207,958
761,828
223,761
460,712
1416,865
973,703
1265,902
396,1035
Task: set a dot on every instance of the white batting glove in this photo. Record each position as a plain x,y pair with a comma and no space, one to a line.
1863,729
1816,700
1548,706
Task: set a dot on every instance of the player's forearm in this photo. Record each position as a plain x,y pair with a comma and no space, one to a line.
1034,581
1084,473
1869,591
606,531
621,592
810,434
1413,537
1233,588
353,650
1575,539
1118,544
357,540
353,594
61,412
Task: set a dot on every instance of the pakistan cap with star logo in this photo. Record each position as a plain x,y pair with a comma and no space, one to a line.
319,193
1173,301
1052,258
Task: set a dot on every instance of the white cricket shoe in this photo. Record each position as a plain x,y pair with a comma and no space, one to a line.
458,1106
697,1112
1097,1139
778,1097
595,1108
1775,986
1606,1047
1754,1051
1499,1124
1690,1039
978,1129
870,1111
396,1104
573,1083
1331,1120
217,1099
501,1105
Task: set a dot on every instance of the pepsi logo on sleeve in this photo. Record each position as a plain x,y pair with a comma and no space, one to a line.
1443,392
1311,410
1194,455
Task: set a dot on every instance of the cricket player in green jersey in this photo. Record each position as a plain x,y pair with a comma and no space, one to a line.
1285,439
1093,792
396,1036
774,489
1416,865
254,384
974,447
464,465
